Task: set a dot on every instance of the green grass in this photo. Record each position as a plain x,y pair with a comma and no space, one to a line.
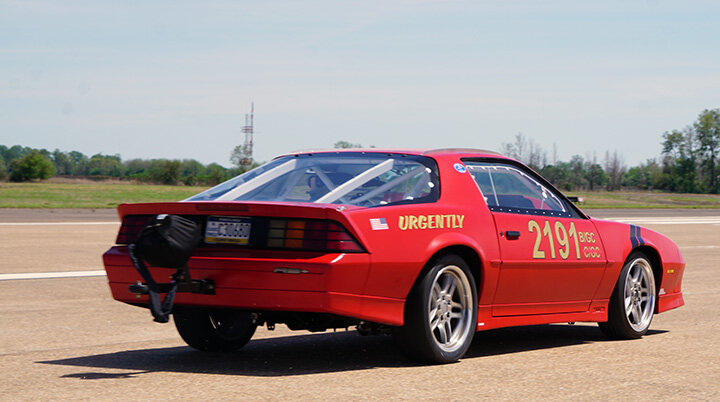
646,199
87,194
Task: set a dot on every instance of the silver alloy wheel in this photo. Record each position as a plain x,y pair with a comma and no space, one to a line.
639,294
450,308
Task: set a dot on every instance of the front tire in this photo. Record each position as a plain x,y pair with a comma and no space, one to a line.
440,313
632,303
213,330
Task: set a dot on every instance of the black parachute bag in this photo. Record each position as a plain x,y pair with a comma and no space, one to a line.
168,242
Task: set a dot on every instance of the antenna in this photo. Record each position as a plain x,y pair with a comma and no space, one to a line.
248,129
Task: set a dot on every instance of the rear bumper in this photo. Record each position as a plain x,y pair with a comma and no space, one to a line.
329,283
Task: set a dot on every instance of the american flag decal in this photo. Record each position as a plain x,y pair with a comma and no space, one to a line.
379,224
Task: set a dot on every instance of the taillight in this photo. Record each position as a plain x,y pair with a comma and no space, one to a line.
131,227
310,235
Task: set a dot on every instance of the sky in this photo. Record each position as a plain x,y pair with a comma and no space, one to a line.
174,79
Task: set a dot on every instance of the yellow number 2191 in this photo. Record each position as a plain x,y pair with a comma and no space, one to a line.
562,235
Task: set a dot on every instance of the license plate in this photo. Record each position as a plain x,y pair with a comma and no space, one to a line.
227,230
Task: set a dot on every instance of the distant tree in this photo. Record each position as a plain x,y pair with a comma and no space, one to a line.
213,174
644,176
577,172
515,149
595,176
680,144
346,145
681,176
190,169
557,174
537,156
3,171
44,152
574,175
165,171
526,150
615,169
13,153
594,173
635,178
137,169
679,171
79,163
31,167
63,163
653,171
241,156
105,165
707,131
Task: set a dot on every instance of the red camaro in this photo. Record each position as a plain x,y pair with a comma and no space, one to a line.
429,245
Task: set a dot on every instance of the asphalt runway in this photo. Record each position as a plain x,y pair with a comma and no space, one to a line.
65,338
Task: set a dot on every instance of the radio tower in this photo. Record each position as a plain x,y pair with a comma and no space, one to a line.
248,129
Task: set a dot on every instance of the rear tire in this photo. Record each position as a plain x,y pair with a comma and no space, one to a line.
632,303
440,313
214,329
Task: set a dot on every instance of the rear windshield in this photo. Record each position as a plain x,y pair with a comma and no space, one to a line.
364,179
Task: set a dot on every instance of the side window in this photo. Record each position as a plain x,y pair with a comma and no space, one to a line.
507,188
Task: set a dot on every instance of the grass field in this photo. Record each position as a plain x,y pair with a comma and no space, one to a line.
89,194
646,199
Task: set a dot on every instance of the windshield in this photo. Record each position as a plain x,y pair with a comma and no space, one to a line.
365,179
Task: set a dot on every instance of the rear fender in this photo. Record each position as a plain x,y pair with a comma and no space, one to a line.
621,240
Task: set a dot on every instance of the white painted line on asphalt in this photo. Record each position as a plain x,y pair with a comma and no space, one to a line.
674,220
50,275
55,223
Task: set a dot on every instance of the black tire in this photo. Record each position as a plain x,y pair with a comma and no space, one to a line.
213,330
632,303
440,313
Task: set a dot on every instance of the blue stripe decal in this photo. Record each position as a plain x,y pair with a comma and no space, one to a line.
633,238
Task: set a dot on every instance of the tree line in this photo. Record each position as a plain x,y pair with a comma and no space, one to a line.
688,163
18,163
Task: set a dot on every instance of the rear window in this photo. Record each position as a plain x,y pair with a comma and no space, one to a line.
363,179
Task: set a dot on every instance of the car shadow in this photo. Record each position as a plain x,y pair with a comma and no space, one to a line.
318,353
536,337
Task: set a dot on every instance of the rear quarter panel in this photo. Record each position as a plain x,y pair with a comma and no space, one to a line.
416,232
618,241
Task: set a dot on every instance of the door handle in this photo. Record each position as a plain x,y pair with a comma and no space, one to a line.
512,235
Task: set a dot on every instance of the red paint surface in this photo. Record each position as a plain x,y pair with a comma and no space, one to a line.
514,288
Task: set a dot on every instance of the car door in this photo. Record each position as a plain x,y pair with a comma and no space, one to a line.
552,258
